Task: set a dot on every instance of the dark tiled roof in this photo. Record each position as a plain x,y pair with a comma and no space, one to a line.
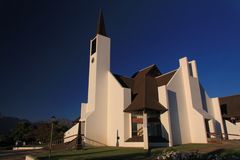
145,91
124,81
165,78
144,88
232,105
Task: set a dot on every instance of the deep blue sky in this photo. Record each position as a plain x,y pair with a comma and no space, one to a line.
44,47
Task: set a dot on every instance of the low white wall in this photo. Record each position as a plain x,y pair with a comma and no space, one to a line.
30,157
238,124
232,129
133,144
71,134
26,148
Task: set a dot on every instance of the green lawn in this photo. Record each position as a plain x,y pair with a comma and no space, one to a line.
97,153
115,153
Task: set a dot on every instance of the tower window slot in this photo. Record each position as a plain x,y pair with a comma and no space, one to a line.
93,49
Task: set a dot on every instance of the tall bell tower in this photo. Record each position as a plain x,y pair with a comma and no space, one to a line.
99,65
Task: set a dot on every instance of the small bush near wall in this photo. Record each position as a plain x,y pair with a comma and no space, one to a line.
176,155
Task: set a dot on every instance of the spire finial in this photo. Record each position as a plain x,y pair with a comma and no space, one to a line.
100,25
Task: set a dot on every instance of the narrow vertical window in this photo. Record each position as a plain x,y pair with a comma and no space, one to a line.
190,69
93,48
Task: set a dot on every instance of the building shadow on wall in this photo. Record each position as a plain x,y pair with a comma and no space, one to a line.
165,134
217,125
174,117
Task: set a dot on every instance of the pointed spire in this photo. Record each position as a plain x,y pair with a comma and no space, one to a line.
100,25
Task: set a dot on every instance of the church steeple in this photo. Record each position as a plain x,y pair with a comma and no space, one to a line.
99,67
100,26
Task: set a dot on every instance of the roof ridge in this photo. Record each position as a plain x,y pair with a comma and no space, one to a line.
147,67
167,73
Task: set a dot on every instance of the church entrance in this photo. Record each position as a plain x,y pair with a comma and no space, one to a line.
154,127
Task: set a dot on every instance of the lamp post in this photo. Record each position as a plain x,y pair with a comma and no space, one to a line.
53,119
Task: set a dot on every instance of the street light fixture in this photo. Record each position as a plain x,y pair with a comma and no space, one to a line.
53,119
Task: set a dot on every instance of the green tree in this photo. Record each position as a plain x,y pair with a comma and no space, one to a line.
23,132
5,140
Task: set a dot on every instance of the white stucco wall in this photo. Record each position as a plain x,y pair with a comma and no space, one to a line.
118,99
211,128
213,108
194,103
196,113
92,80
165,117
71,134
238,124
98,69
104,116
115,111
208,108
96,122
217,115
195,92
178,110
188,125
83,112
233,130
145,131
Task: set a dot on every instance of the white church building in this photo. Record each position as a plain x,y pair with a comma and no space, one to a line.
148,109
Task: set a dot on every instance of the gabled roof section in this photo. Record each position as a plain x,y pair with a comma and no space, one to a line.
152,68
145,91
165,78
144,88
136,107
124,81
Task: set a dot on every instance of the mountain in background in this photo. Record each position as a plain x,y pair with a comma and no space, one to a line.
8,123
